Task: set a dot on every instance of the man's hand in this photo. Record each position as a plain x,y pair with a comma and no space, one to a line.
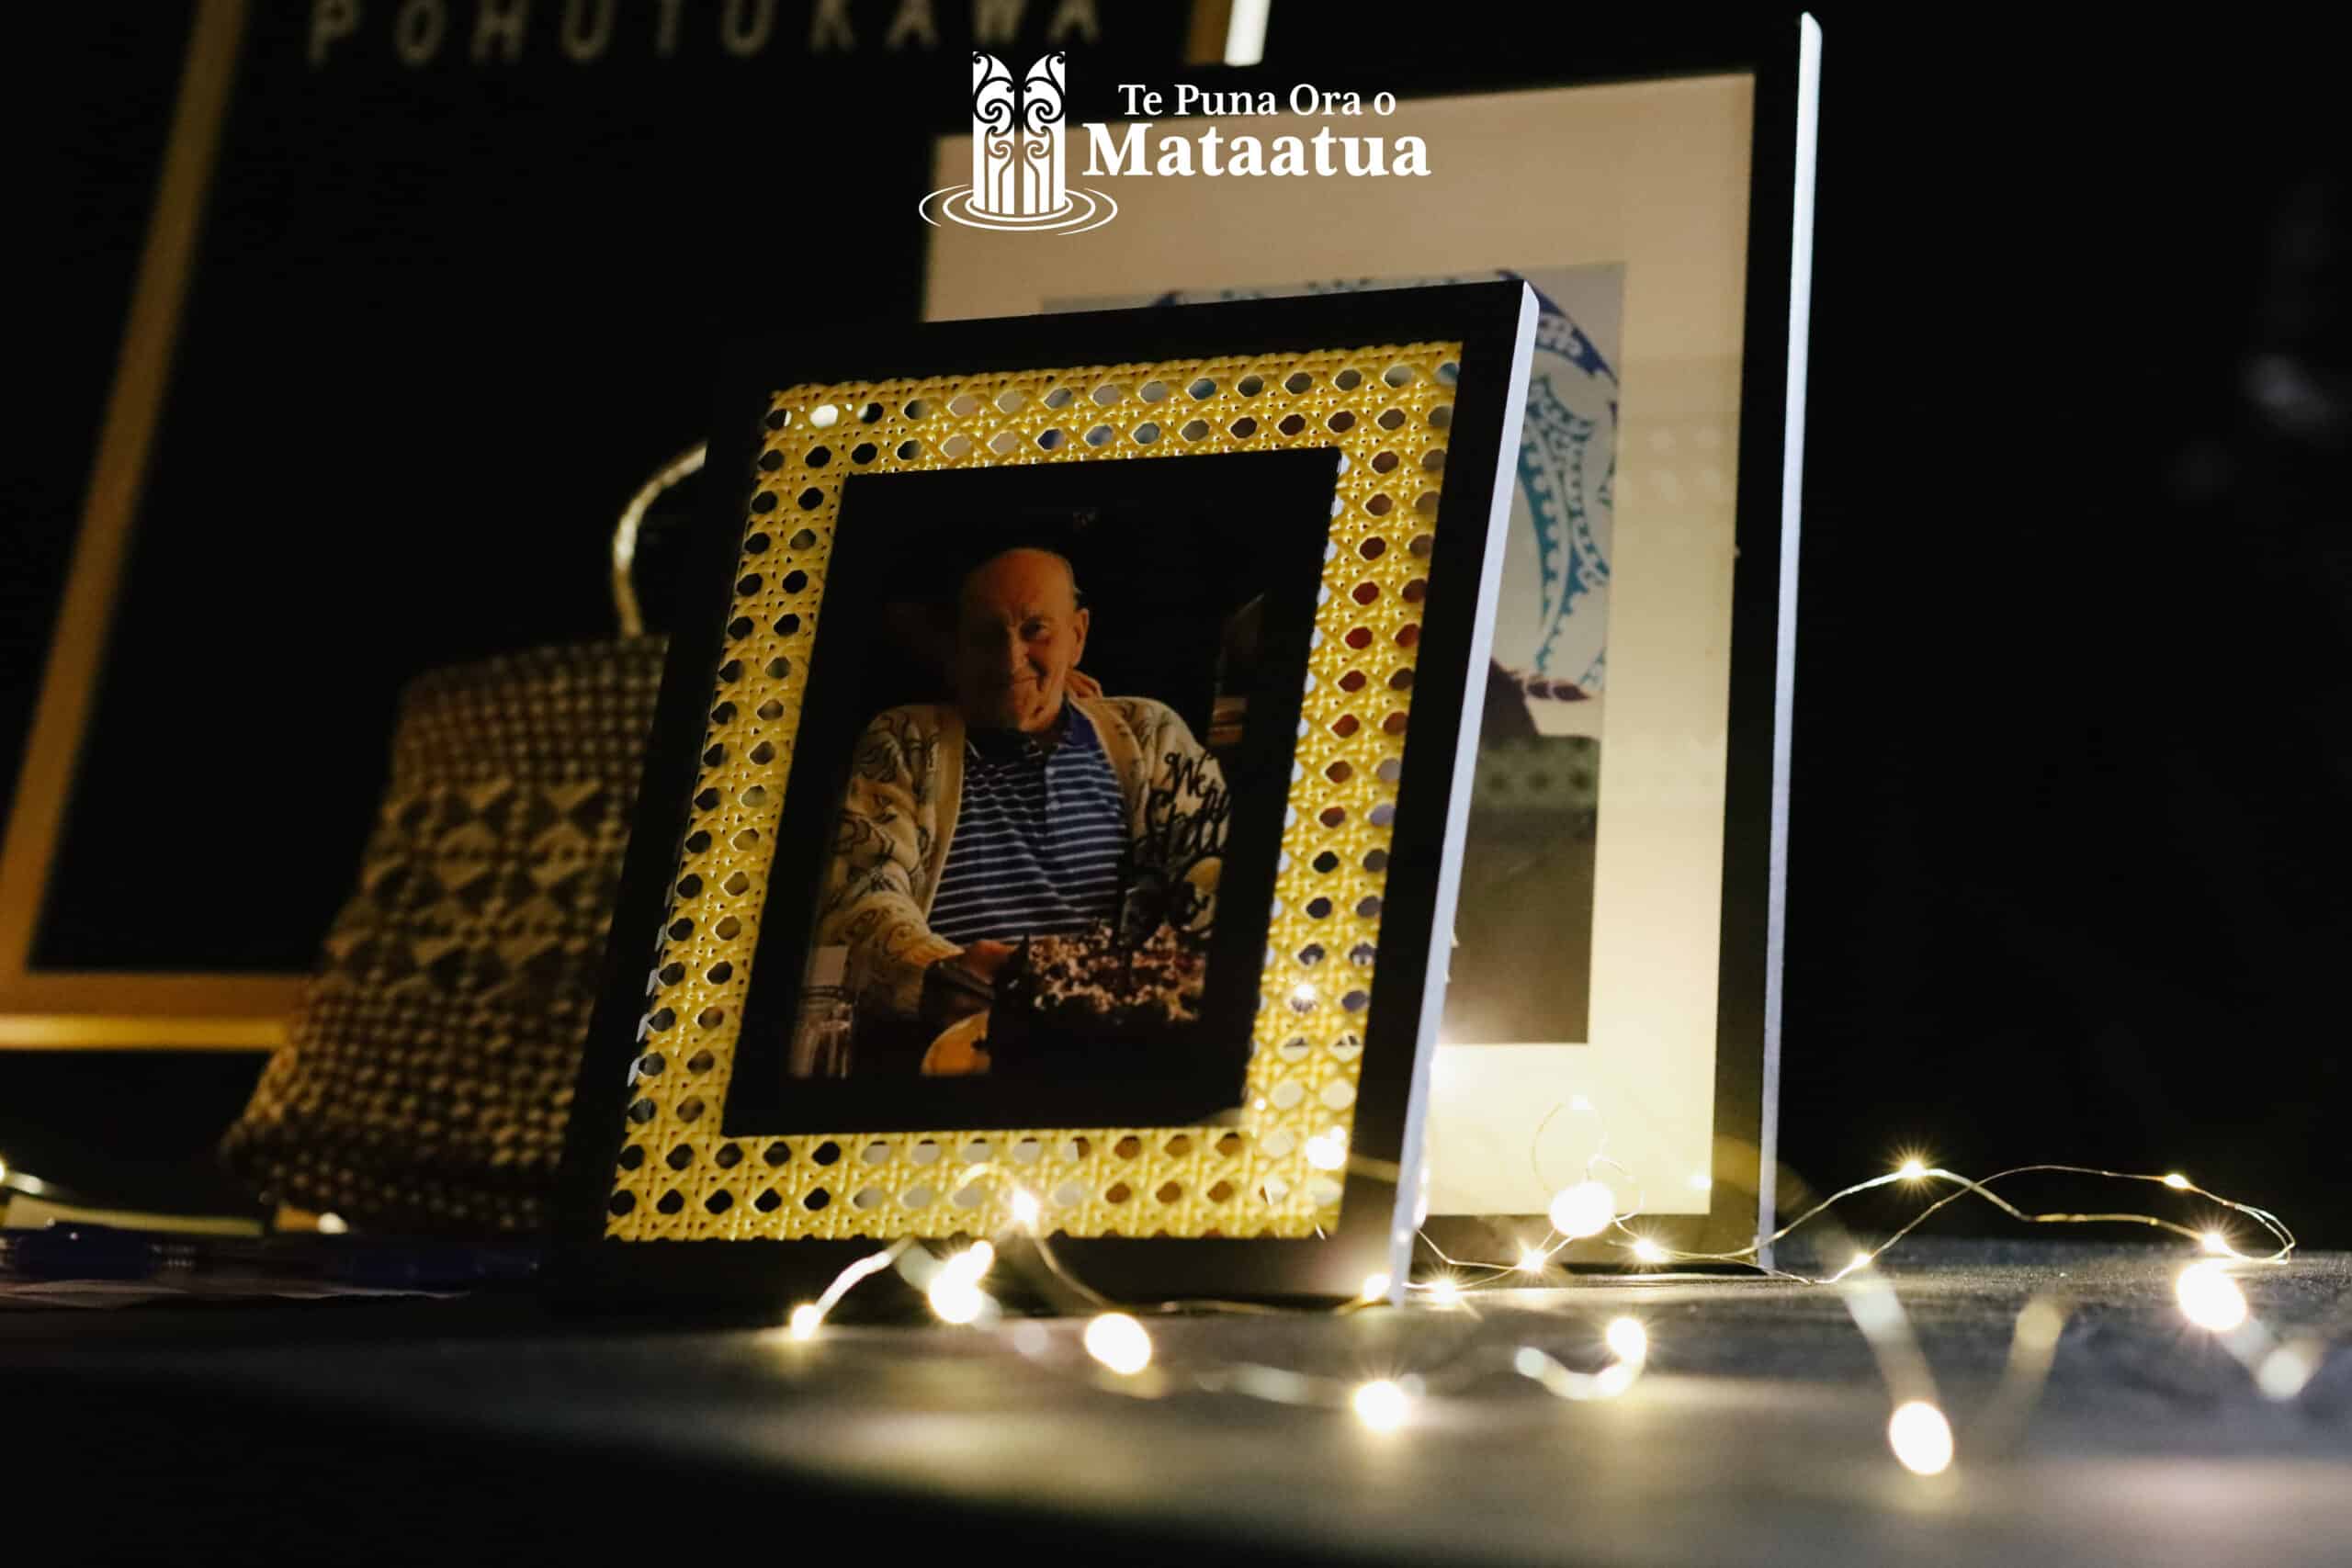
958,987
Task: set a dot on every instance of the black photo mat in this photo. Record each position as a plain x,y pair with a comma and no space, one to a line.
1172,545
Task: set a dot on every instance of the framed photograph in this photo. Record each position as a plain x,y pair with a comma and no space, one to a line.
1055,800
1614,958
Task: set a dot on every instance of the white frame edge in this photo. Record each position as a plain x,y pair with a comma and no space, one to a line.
1412,1158
1785,652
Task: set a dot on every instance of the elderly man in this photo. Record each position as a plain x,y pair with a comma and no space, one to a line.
1023,810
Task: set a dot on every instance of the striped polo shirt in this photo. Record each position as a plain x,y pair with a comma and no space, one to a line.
1041,837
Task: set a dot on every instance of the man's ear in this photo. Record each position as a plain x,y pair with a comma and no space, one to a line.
1084,618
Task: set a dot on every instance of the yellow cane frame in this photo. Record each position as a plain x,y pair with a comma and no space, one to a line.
1386,409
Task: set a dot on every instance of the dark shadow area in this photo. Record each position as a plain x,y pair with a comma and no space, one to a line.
2073,777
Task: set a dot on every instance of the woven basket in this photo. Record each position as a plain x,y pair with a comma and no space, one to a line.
428,1073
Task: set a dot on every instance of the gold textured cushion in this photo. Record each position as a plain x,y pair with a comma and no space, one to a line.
427,1076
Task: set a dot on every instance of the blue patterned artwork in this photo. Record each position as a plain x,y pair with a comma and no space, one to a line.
1551,629
1568,464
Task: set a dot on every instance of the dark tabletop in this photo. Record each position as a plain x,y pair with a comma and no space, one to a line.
433,1430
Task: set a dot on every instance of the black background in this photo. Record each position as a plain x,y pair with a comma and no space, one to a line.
2072,766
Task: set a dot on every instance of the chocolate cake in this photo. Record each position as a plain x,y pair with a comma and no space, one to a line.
1083,993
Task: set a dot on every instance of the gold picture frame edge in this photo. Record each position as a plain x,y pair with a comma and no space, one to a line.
72,1009
652,1205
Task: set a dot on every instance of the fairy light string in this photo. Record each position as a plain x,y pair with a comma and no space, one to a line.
1121,1353
1915,1171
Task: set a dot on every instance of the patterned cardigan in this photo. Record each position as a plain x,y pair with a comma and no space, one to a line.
899,816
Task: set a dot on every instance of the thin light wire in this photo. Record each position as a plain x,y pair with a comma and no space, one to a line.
1868,1295
1969,1186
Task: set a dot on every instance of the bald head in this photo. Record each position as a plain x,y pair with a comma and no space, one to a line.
1019,632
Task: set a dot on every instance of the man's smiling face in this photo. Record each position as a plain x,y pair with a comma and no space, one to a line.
1019,632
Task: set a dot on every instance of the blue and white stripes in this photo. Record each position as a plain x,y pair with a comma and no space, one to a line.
1040,840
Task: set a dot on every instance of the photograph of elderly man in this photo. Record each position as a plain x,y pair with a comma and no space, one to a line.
1035,794
1033,838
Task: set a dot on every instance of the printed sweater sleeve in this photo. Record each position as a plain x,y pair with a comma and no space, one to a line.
1187,804
880,843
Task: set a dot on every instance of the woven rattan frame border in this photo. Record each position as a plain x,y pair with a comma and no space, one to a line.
1386,409
1314,372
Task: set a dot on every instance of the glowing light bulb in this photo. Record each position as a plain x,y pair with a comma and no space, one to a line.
1328,1151
1374,1287
954,1291
1628,1340
1381,1405
1025,1208
806,1320
1443,1290
2210,1298
1531,1261
1649,1251
1859,1261
1119,1342
1920,1437
2177,1181
1587,1209
331,1225
2216,1245
1912,1169
955,1300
